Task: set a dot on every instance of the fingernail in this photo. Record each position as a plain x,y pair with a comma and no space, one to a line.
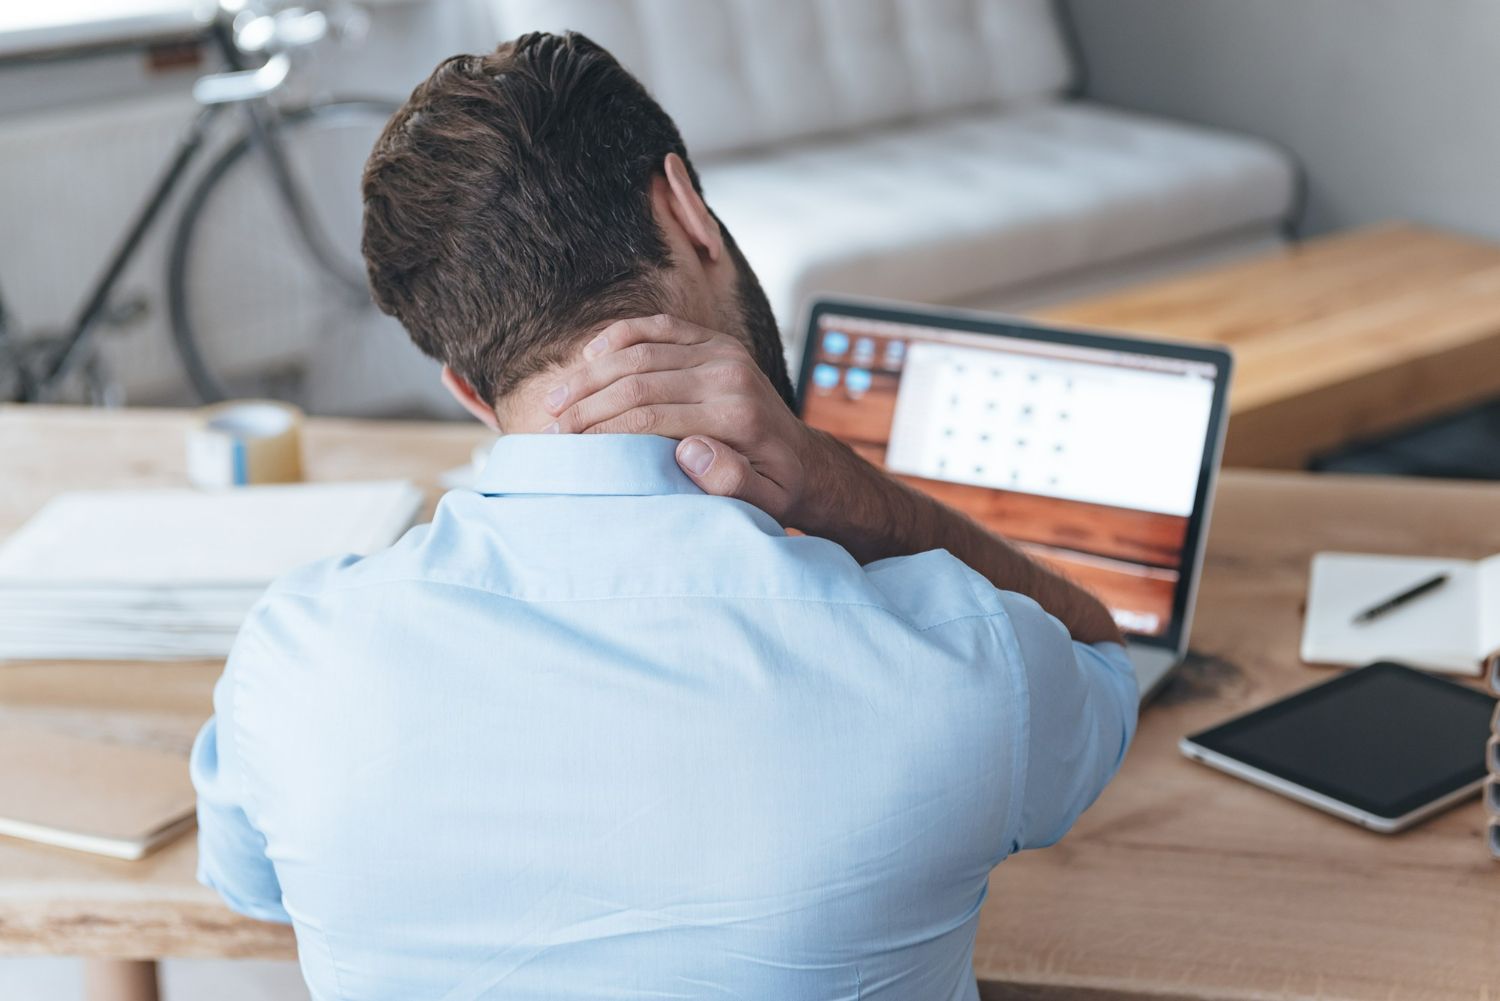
555,397
596,347
551,428
695,456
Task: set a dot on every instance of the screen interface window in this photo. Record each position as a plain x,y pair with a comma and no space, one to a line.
1087,458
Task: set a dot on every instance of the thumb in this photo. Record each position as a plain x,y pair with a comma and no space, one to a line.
722,471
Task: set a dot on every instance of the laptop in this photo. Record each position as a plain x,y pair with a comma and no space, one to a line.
1095,453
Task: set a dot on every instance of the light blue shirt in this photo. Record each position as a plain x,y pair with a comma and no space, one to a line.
595,734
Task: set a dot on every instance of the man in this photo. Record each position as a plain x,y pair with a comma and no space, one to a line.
604,729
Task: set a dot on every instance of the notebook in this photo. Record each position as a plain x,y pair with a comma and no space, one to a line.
90,796
171,573
1452,629
191,537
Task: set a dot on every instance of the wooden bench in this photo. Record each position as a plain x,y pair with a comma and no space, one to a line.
1335,340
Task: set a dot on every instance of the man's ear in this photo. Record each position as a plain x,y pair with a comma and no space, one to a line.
690,211
470,400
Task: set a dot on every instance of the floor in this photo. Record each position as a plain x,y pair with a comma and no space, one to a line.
181,980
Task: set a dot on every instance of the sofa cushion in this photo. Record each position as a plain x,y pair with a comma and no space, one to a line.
962,205
737,74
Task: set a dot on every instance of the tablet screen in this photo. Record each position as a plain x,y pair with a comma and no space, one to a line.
1384,739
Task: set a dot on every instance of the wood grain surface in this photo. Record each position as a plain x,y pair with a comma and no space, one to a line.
1335,340
1180,882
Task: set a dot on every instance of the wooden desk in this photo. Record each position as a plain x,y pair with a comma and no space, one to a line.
1335,340
1179,881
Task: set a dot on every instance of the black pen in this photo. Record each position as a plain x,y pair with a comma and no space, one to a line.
1397,600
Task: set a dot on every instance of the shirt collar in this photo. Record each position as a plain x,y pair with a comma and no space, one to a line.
597,464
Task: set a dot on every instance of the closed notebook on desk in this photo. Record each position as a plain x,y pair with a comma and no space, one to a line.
91,796
1451,629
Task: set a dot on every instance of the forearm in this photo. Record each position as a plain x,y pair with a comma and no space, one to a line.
874,516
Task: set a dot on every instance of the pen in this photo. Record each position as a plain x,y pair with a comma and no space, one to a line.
1397,600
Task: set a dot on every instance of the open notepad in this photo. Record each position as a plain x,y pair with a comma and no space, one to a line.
1452,629
171,573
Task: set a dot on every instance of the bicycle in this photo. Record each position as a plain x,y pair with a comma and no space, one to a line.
256,40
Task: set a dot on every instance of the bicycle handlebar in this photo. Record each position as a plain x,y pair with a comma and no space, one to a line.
261,29
244,85
281,32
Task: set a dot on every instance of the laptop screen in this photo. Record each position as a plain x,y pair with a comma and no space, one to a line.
1088,454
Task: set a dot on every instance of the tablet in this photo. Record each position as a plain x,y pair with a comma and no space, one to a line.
1383,746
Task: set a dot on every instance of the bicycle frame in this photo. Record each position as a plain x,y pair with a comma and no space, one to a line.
83,326
262,132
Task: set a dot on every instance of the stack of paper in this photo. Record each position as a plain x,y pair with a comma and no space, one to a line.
1492,763
170,574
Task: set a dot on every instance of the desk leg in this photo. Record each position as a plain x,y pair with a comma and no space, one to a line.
119,980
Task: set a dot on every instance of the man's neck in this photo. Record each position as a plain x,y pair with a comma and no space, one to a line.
523,410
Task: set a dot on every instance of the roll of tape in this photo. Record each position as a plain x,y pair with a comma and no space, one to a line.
245,441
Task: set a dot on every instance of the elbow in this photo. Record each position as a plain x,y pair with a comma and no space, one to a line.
272,911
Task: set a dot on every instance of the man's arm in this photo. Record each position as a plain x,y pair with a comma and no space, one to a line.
231,851
873,515
660,375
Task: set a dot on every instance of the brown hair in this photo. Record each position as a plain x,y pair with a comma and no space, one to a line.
508,206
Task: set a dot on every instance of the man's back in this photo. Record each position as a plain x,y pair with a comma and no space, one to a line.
595,734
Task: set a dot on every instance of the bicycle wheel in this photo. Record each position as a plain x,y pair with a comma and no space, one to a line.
264,303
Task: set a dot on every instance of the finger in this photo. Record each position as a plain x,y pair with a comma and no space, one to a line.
723,472
670,420
632,392
721,420
592,376
660,329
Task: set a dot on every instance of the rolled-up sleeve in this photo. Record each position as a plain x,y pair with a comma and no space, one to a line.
231,851
1082,702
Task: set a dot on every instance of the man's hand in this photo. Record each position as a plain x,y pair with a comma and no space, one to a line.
661,375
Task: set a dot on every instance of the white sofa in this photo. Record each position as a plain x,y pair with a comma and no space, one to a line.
926,149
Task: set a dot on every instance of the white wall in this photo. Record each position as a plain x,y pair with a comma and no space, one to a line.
1392,105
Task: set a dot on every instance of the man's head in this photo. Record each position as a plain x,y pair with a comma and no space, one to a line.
520,201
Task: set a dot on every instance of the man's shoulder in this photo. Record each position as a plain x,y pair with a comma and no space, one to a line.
934,588
310,585
331,574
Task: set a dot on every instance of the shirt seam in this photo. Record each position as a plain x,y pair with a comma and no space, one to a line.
236,704
333,965
245,795
281,590
1021,689
1021,684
